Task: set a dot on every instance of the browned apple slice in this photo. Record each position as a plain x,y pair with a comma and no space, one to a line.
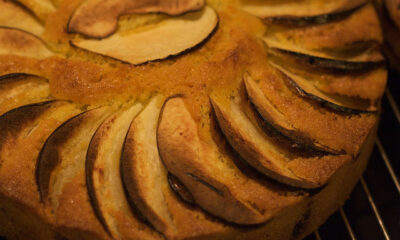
14,16
21,89
340,103
320,63
23,132
299,9
392,7
296,21
143,174
256,148
41,8
147,182
104,180
19,42
60,174
99,18
335,40
267,155
368,85
158,41
210,174
279,122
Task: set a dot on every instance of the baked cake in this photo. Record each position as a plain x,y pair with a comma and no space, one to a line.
184,119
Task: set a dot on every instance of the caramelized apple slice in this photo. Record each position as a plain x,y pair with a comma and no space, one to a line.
14,16
256,148
210,174
336,40
278,121
104,181
60,174
143,174
336,102
21,89
23,131
99,18
18,42
298,9
266,154
167,38
321,63
41,8
147,184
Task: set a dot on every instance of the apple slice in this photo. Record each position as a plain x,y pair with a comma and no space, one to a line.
14,16
256,148
210,174
299,9
142,171
267,155
24,130
335,40
368,85
104,181
278,122
320,63
148,183
21,89
298,21
60,175
18,42
41,8
159,41
343,104
90,18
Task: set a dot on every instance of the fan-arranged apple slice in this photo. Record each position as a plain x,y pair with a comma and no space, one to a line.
319,63
210,174
104,181
314,10
60,174
147,183
278,122
143,174
21,89
23,131
18,42
264,153
158,41
99,18
336,40
41,8
340,103
368,85
14,16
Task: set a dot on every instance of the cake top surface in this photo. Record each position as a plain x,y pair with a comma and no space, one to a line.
253,104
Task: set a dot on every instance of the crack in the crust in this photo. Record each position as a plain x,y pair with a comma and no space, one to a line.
219,192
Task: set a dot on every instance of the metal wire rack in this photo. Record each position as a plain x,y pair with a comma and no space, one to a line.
373,210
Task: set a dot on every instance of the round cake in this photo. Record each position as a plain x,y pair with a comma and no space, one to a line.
184,119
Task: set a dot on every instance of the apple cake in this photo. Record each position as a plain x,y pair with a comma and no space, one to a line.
184,119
